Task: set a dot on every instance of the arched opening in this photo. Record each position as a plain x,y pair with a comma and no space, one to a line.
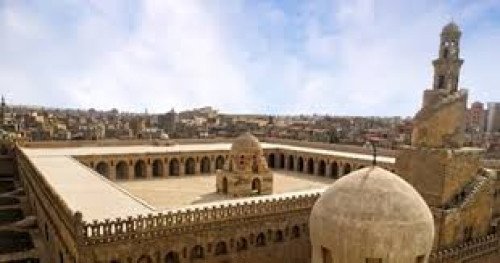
140,169
172,257
270,160
334,170
300,164
121,170
322,168
295,232
241,244
221,248
347,168
190,166
102,168
174,167
290,163
255,166
145,259
157,168
310,166
282,161
360,167
197,252
261,240
205,165
219,162
224,185
256,186
279,236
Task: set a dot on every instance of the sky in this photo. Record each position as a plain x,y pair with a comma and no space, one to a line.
336,57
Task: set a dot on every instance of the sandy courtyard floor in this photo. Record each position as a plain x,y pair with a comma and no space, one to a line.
175,192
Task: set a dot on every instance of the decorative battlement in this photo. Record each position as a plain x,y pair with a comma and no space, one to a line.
472,249
185,220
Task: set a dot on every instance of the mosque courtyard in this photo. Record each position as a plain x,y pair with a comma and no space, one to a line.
181,191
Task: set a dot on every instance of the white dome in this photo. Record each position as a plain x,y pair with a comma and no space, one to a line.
371,213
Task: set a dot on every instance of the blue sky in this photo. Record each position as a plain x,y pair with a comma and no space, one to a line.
344,57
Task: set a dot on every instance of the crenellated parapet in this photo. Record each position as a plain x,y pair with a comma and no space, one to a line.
480,247
192,219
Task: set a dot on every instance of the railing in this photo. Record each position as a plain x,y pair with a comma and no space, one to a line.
185,220
475,248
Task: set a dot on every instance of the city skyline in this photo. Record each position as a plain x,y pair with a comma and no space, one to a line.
324,57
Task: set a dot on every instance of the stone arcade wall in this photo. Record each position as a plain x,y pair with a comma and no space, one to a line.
167,164
264,230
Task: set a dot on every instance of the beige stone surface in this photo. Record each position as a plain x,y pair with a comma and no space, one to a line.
76,151
191,190
84,190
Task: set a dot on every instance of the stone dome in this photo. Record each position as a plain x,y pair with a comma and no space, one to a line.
371,213
246,143
451,27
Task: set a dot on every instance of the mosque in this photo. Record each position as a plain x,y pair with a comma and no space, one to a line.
250,201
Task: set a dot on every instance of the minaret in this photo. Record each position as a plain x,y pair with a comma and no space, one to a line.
441,121
447,66
449,176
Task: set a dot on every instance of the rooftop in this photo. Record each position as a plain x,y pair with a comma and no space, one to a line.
95,197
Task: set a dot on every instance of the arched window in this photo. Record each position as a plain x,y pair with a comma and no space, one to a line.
282,161
219,162
140,169
279,236
121,170
334,170
347,168
242,244
256,187
205,165
322,168
172,257
271,160
301,164
197,252
220,248
310,166
102,168
295,232
174,167
145,259
290,163
261,240
190,166
157,168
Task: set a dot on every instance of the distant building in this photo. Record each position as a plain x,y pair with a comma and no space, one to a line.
476,118
493,117
168,121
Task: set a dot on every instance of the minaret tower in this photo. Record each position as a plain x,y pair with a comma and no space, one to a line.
447,66
448,175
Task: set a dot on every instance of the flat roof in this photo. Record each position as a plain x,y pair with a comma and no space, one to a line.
143,149
96,197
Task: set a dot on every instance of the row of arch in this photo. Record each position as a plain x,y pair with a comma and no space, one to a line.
309,165
175,166
158,167
221,248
